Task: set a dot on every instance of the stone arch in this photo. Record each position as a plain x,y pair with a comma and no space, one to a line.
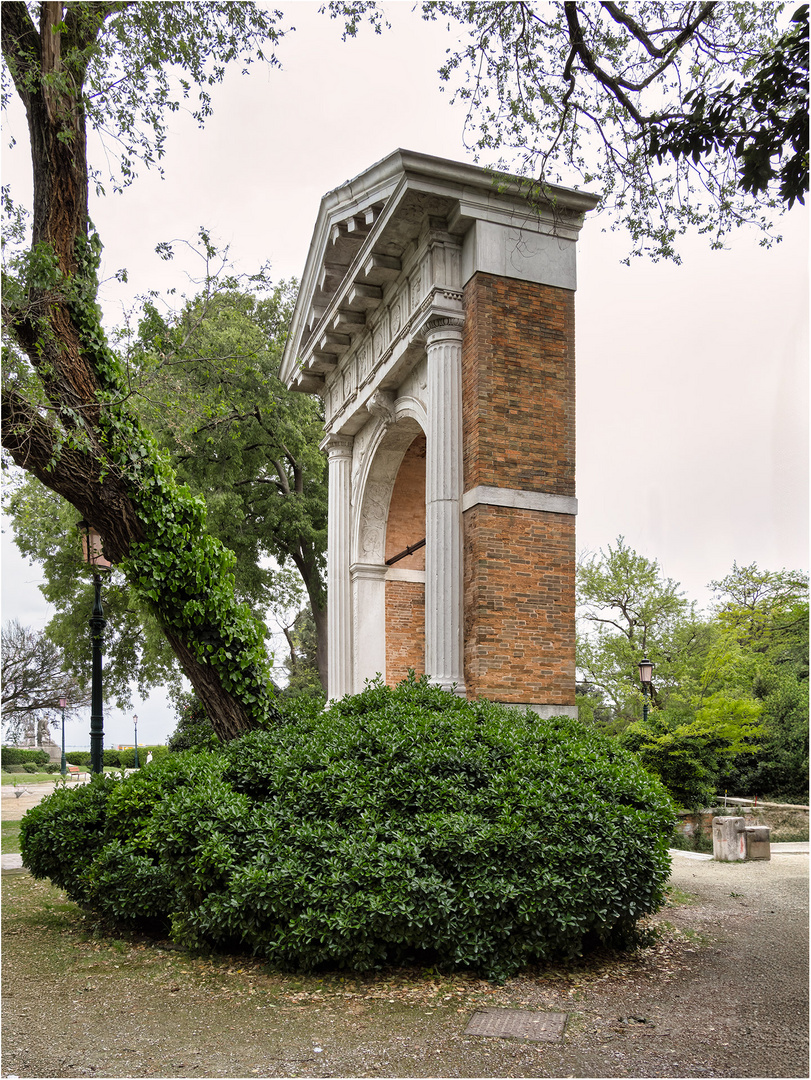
376,482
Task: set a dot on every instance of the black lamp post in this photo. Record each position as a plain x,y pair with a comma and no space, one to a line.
62,705
135,722
94,556
645,675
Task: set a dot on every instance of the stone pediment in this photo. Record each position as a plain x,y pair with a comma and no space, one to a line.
394,247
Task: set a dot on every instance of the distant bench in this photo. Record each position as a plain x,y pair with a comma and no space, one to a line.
74,770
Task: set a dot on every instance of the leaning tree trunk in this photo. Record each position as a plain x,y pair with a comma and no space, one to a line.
306,563
320,620
85,444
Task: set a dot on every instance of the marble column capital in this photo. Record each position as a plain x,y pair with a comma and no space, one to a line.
337,446
438,328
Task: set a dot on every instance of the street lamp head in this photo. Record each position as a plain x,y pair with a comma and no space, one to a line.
646,671
93,547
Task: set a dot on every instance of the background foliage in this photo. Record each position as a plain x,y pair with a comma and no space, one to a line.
730,690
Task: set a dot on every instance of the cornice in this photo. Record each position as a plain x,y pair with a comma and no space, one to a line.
366,227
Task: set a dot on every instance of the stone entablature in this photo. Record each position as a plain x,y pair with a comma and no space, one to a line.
379,331
393,249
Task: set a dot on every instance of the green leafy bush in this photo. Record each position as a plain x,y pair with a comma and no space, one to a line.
399,825
78,757
16,755
60,837
689,750
30,767
126,758
13,769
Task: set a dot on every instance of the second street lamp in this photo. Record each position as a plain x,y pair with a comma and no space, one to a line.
62,705
135,722
646,677
94,557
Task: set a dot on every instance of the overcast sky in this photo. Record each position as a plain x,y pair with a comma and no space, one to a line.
692,380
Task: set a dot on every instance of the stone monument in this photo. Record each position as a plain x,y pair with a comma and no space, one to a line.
436,321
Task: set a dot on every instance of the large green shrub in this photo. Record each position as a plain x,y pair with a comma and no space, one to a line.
399,825
60,836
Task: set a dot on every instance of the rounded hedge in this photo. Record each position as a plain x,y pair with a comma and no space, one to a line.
15,755
399,825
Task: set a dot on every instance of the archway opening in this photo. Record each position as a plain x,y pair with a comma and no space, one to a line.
405,558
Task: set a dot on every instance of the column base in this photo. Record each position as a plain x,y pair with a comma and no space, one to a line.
451,685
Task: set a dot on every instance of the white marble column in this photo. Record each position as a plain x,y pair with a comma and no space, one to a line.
369,628
339,585
444,655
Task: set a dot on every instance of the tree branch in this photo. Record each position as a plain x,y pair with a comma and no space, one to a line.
622,17
21,46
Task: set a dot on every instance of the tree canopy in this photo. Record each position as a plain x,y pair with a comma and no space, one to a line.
208,386
628,610
203,378
681,116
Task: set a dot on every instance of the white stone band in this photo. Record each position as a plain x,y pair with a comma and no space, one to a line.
395,574
518,500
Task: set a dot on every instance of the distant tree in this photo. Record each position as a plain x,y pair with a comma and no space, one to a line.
763,609
765,615
194,730
691,750
302,669
729,702
627,610
33,682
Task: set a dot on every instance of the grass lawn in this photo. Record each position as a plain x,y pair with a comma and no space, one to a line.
11,837
26,779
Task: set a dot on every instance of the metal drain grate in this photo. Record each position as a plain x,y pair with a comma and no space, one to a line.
517,1024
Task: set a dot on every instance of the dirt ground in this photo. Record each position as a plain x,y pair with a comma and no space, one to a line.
722,991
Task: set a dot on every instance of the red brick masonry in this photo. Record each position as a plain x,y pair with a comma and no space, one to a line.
405,629
518,389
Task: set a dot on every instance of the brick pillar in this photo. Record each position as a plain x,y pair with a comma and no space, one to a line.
339,584
519,502
444,659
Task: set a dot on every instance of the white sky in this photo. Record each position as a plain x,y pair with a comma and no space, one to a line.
692,381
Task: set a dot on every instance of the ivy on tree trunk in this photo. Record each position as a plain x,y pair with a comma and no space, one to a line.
80,439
